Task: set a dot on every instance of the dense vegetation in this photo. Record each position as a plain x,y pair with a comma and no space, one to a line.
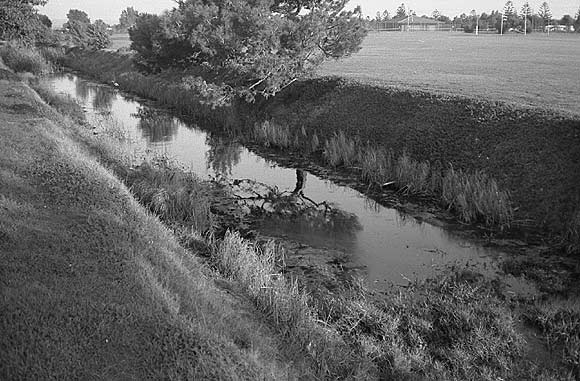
239,48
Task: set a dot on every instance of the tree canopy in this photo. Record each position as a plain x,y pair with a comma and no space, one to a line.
80,31
128,18
246,48
545,13
19,20
401,11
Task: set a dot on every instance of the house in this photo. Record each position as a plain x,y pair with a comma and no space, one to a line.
415,23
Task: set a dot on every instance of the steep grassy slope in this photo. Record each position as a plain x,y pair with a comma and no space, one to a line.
91,284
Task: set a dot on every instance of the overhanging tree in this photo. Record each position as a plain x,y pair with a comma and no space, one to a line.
247,48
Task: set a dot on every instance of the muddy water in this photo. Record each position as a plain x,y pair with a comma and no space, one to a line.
389,246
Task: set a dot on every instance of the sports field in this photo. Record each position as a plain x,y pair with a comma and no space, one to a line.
534,70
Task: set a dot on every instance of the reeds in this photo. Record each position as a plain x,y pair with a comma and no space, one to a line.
474,197
271,134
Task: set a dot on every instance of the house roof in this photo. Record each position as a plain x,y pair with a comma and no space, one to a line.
419,20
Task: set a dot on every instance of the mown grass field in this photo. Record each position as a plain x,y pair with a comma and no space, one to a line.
533,70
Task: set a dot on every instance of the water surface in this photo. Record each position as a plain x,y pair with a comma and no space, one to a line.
392,247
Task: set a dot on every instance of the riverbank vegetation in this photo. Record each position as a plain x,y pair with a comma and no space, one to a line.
92,284
411,332
506,166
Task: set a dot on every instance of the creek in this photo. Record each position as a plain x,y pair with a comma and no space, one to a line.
389,246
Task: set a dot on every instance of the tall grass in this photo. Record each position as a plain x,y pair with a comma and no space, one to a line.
175,195
473,196
25,59
270,134
559,322
277,135
255,268
340,150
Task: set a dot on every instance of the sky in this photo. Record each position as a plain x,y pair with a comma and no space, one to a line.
109,10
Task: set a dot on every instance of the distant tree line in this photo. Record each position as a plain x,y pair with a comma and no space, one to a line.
20,21
526,18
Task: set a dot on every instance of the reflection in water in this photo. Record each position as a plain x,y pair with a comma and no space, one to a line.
103,98
301,218
387,242
82,89
223,154
156,127
300,182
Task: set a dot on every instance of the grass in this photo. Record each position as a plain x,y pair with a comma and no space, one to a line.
23,59
173,194
559,322
340,150
474,197
470,136
94,286
448,328
492,67
530,153
288,307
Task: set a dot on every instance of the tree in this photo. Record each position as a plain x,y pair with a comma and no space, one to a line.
18,20
577,22
128,18
76,15
80,31
44,20
401,11
510,16
527,13
568,22
436,14
527,10
545,13
236,47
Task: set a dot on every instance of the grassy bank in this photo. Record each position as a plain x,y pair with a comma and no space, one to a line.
524,163
94,286
345,335
456,327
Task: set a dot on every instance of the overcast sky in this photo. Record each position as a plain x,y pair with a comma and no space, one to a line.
109,10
